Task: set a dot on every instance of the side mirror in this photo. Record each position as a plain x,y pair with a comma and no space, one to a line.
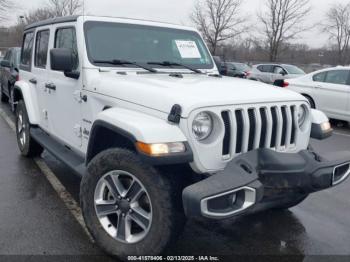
284,73
5,63
62,59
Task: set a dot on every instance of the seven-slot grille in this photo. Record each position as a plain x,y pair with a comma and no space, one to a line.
263,127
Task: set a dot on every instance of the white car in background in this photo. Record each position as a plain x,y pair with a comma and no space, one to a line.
269,73
327,90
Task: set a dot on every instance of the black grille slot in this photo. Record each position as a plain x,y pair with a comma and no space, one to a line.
240,126
274,126
263,127
252,127
284,126
292,138
227,138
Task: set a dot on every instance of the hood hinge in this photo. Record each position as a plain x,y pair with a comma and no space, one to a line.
175,114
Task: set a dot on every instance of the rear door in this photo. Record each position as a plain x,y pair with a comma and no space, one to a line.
265,73
39,69
331,92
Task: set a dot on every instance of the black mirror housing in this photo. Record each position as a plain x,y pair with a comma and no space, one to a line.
62,59
5,63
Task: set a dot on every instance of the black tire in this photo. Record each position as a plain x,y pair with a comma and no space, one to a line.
311,102
167,214
3,97
294,201
11,100
26,144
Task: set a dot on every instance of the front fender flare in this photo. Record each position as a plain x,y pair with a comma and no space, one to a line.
144,128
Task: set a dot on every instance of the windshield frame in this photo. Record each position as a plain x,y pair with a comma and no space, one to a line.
91,59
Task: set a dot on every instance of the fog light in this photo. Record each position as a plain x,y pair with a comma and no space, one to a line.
321,131
161,148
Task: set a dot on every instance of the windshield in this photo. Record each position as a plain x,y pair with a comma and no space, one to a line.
241,67
143,44
293,70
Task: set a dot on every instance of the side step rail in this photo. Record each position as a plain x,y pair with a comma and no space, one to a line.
62,153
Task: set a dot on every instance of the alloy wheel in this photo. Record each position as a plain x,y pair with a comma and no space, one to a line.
123,206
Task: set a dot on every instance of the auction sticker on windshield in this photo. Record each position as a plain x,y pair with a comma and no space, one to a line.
188,49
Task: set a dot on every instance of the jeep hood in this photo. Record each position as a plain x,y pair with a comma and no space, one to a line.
161,91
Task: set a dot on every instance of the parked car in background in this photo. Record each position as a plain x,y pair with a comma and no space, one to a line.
269,73
9,74
235,69
327,90
219,64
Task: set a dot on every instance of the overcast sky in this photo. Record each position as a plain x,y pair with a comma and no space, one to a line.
177,11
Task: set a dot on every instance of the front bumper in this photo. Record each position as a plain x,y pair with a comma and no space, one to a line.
263,179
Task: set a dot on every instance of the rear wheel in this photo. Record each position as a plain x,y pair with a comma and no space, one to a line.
3,97
26,144
130,208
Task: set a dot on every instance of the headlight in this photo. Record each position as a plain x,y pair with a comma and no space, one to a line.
202,126
302,113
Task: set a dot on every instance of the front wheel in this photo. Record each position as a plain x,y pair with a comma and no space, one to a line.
129,207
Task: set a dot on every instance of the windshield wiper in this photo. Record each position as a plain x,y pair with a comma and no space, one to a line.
125,62
170,64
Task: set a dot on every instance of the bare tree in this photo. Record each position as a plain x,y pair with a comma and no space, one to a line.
337,26
5,5
64,7
283,20
38,15
218,20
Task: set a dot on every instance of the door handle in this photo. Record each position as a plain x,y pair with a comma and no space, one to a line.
318,86
50,86
33,81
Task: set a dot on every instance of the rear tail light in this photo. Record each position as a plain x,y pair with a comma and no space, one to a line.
17,78
285,84
248,73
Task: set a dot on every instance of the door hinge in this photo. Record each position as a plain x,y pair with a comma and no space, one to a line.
78,131
79,97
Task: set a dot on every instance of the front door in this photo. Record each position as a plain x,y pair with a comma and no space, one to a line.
332,94
64,103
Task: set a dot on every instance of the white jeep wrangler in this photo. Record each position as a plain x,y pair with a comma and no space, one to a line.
137,108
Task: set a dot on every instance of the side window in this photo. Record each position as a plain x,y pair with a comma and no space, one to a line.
7,55
41,48
266,68
319,77
339,77
66,38
279,70
27,49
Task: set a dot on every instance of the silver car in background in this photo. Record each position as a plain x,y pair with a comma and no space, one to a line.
269,73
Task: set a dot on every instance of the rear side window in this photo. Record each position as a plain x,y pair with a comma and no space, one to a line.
41,48
339,77
66,38
320,77
27,49
266,68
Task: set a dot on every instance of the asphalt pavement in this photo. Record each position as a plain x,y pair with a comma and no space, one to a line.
35,221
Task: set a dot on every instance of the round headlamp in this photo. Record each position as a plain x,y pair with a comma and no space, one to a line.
202,126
